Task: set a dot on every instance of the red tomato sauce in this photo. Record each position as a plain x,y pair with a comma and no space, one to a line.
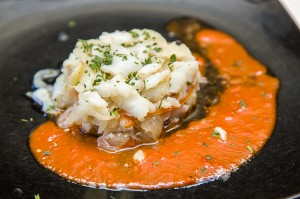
246,111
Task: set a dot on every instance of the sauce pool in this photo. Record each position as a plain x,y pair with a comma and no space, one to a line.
194,155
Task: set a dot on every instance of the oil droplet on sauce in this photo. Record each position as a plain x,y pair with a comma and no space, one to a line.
245,112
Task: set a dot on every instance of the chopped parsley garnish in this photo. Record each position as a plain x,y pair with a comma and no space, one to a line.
237,63
51,107
131,76
172,59
86,46
91,90
101,77
72,24
15,79
46,153
24,120
160,104
114,112
108,58
156,163
147,35
134,34
97,62
176,153
264,94
203,169
204,144
124,57
188,83
147,61
215,133
243,104
37,196
208,157
261,84
250,149
157,49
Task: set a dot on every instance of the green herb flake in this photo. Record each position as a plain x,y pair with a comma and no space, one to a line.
188,83
15,79
24,120
134,34
147,61
160,104
156,163
208,157
46,153
172,59
128,45
215,133
264,94
203,169
72,24
37,196
114,112
204,144
97,61
176,153
261,84
147,35
131,76
50,108
86,46
157,49
243,104
237,63
250,149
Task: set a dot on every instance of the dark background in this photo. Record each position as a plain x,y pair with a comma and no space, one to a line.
29,41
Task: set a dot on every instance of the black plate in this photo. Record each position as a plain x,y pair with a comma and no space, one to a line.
29,42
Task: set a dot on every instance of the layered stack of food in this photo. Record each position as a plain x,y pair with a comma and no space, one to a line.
127,88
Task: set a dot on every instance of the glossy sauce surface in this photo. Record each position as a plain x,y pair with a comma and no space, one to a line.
246,111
